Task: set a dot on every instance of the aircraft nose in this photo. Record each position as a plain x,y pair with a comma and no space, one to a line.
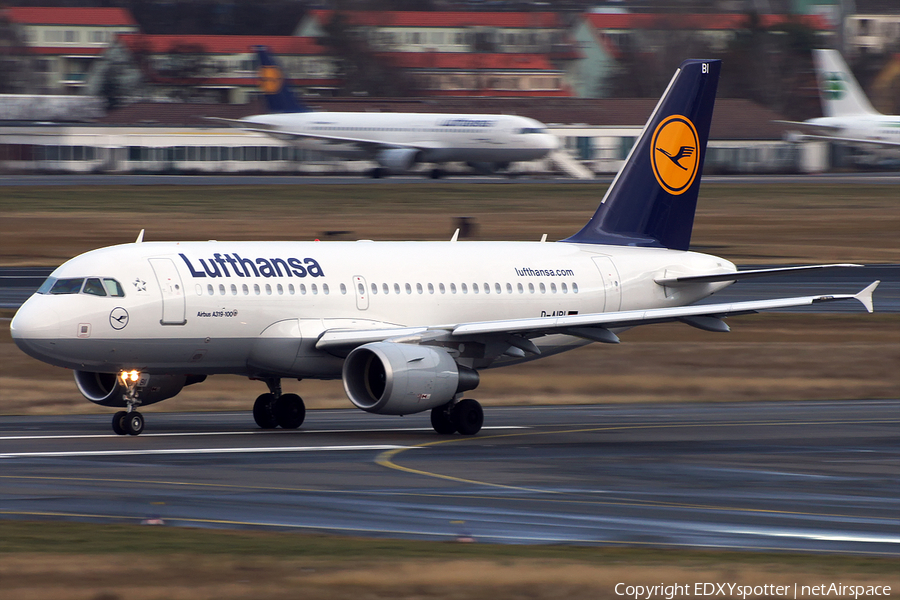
34,326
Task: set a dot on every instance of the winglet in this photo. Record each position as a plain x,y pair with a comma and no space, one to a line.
865,295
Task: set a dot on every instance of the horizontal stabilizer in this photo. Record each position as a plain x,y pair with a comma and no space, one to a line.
738,275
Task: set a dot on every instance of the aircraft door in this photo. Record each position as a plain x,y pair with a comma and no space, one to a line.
362,294
611,283
173,301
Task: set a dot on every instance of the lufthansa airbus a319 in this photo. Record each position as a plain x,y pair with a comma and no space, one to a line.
407,326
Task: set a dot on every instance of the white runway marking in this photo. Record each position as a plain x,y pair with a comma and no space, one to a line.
85,453
255,432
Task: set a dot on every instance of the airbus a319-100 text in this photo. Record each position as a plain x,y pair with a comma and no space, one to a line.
407,326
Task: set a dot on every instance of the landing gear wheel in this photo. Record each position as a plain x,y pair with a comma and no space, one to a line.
442,421
436,173
133,423
264,411
378,173
290,411
468,416
118,422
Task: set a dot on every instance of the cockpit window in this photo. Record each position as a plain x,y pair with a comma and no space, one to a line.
532,130
93,287
45,287
67,286
113,288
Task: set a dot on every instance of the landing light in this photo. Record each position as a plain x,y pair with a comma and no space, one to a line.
129,378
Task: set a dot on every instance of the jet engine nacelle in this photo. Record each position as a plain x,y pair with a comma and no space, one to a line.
400,379
105,389
398,160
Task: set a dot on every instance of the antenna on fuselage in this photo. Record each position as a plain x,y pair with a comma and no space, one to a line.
455,235
140,237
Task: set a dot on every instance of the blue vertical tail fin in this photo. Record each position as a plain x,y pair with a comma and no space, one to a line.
652,199
274,86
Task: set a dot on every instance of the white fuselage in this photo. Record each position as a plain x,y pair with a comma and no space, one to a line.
259,307
874,128
436,137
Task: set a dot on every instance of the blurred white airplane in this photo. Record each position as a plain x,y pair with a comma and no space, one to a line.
396,141
849,117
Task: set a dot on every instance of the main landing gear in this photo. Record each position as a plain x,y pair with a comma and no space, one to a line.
465,417
278,410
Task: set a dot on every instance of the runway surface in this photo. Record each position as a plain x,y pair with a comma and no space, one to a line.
803,476
870,178
18,283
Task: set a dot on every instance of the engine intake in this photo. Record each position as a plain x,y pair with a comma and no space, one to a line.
401,379
105,389
398,160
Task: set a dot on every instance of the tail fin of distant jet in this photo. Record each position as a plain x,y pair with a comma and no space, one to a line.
274,85
841,94
651,201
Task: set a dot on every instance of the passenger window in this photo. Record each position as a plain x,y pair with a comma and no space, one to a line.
245,289
291,289
530,288
67,286
452,288
430,288
442,288
255,288
113,288
279,289
314,289
475,288
93,287
233,290
521,289
396,288
408,289
385,288
565,290
221,289
553,288
325,288
465,290
574,288
374,289
509,288
210,290
497,288
543,288
303,289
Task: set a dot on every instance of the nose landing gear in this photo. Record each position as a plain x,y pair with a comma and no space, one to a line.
130,421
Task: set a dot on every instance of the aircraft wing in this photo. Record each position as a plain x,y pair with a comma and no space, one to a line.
287,135
593,327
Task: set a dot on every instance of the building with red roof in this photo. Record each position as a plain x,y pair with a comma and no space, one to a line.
215,68
604,38
481,74
65,42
